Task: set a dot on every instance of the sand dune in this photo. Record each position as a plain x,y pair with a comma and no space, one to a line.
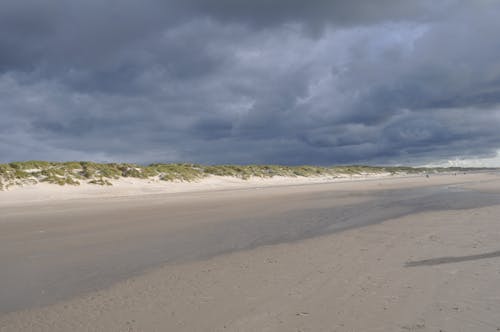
138,187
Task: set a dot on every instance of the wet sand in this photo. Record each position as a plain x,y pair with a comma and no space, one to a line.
383,255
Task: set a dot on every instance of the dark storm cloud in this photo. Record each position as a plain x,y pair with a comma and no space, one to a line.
218,81
315,13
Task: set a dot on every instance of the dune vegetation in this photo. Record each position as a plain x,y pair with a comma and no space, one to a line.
74,173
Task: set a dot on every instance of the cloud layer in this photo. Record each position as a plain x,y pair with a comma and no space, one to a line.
219,81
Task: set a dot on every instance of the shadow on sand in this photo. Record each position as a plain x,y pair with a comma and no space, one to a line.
452,259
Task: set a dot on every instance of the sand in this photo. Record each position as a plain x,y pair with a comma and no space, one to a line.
435,270
21,194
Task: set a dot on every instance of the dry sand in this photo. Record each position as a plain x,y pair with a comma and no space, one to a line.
436,270
21,194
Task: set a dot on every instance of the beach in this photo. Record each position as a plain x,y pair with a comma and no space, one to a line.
373,254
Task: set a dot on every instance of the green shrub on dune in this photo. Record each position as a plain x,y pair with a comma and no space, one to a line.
101,182
73,172
32,164
180,172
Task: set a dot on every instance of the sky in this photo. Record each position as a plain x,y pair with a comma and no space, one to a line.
325,82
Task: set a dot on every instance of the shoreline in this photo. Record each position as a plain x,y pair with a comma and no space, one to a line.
128,187
125,187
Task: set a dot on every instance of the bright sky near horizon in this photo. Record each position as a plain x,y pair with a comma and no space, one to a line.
240,81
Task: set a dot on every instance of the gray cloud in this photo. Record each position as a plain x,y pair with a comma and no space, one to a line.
245,82
317,13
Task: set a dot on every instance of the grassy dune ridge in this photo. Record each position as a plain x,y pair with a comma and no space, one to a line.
77,172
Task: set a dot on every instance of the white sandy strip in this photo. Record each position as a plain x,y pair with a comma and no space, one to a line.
133,186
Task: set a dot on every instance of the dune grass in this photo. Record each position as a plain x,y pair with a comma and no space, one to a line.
77,172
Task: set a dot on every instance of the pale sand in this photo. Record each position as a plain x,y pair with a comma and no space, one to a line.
376,278
138,187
